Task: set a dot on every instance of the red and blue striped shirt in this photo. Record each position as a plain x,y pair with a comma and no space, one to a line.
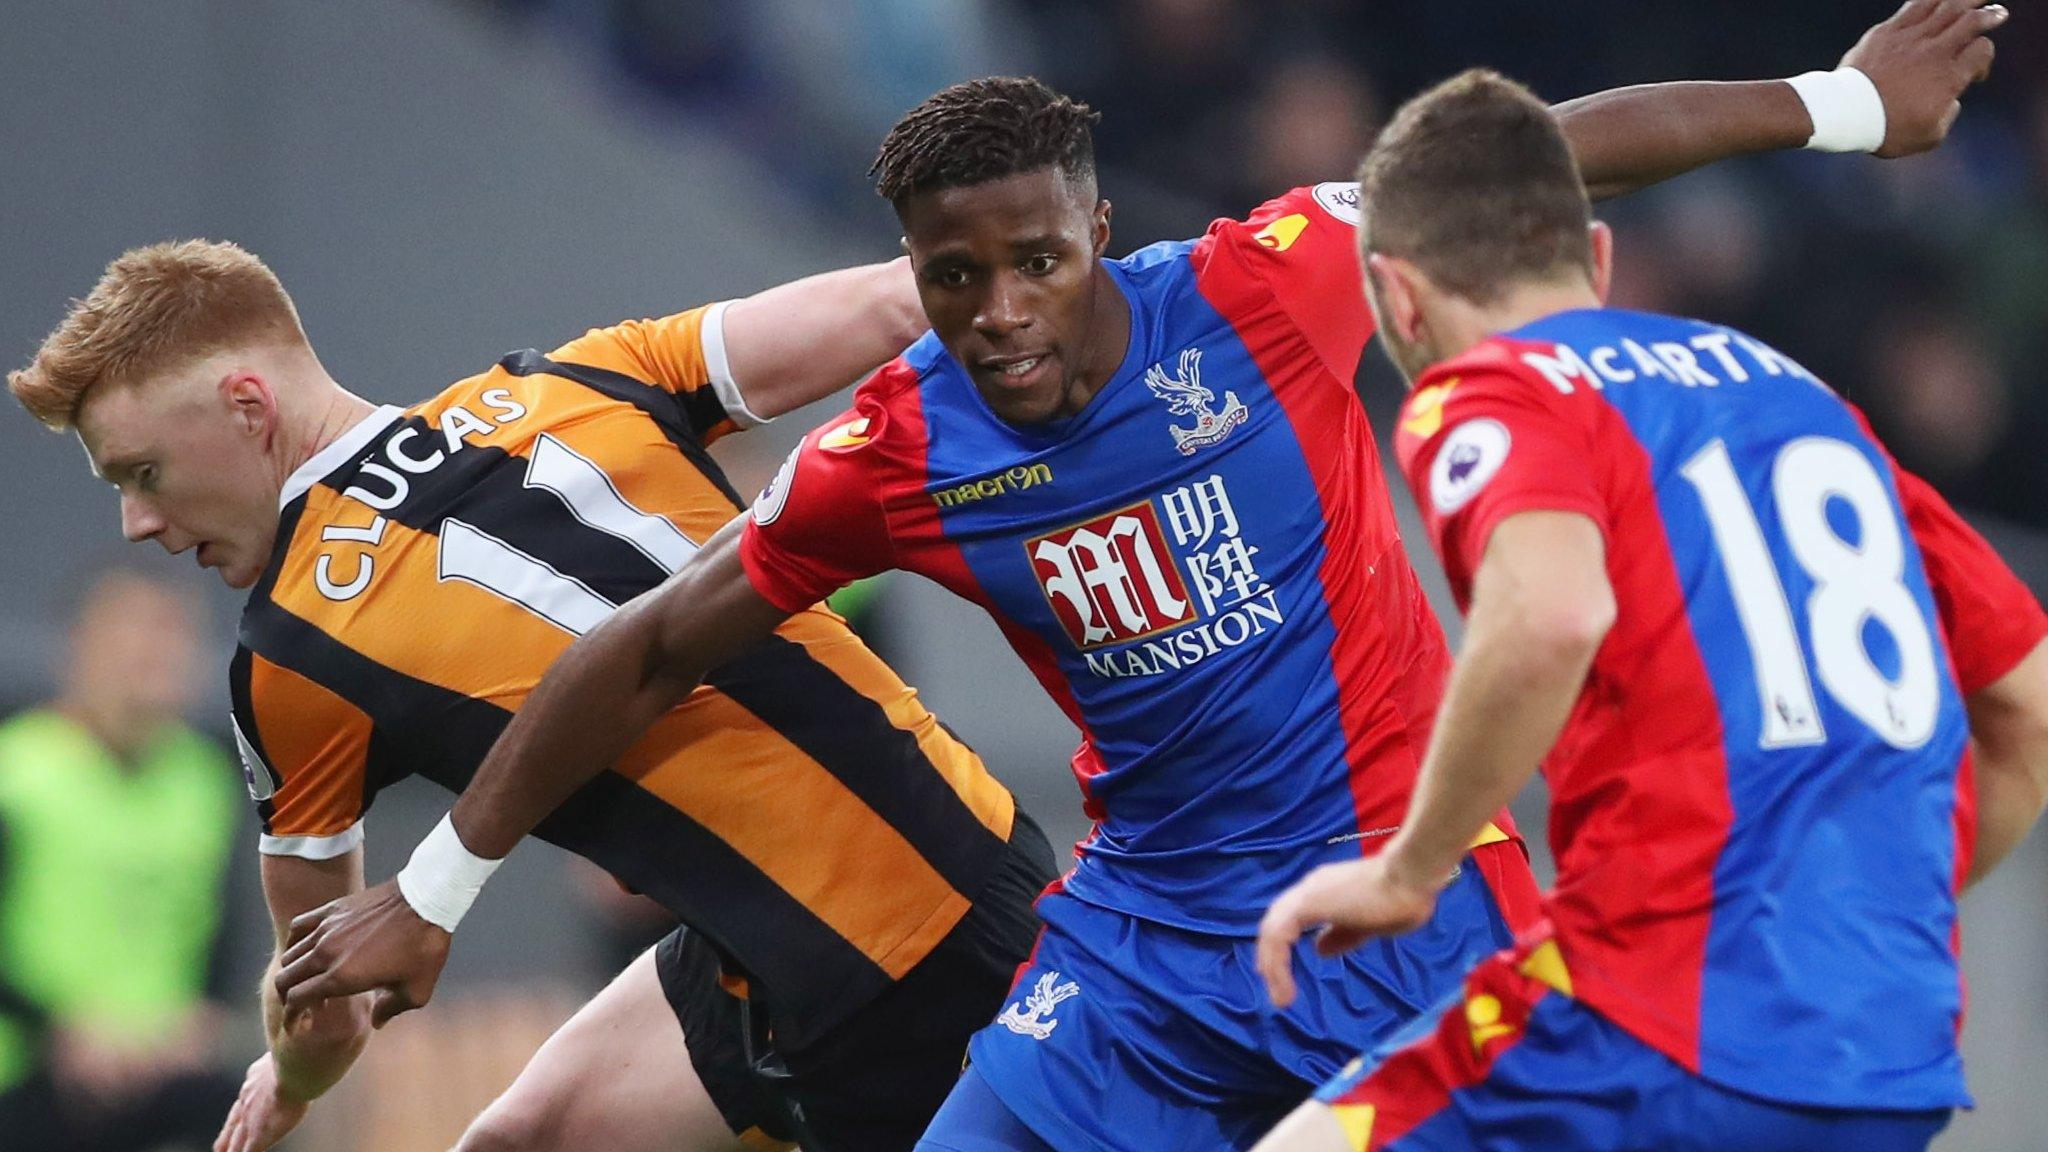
1202,566
1761,806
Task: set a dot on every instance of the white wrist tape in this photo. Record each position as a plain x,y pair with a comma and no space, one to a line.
1848,114
443,878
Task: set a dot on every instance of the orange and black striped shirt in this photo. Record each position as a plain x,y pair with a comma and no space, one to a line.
802,810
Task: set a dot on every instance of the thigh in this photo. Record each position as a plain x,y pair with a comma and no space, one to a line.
1122,1034
1508,1065
1312,1127
974,1119
874,1082
622,1075
1511,1066
1362,1000
1716,1118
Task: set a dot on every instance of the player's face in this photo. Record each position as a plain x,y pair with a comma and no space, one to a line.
1007,274
190,456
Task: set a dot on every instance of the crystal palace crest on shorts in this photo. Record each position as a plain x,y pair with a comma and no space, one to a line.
1033,1017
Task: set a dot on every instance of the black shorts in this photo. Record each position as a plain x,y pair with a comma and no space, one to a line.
872,1083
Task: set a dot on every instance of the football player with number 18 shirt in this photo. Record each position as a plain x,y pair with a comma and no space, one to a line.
1764,655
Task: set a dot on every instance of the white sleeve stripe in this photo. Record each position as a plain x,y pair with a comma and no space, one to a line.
312,847
719,367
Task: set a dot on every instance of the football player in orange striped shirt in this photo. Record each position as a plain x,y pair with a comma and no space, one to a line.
855,886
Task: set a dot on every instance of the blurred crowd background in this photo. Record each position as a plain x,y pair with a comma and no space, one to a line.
1909,283
439,182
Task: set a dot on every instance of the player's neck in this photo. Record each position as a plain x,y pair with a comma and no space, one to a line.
1107,342
1465,324
329,411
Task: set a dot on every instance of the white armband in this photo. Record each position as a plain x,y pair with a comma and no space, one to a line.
718,366
443,878
1847,112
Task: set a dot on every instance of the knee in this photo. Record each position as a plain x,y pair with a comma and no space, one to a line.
511,1125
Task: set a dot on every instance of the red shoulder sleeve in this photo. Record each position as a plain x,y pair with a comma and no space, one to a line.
818,525
1304,247
1481,441
1991,619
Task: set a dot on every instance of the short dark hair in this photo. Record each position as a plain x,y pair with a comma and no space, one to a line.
1474,183
983,130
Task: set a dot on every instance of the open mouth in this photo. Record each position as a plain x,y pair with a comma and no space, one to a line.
1017,371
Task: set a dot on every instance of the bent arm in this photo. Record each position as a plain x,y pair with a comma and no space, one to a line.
1920,60
1541,606
802,341
2009,728
608,688
319,1045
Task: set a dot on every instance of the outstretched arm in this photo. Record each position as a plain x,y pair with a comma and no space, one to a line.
596,700
307,1057
803,341
1920,60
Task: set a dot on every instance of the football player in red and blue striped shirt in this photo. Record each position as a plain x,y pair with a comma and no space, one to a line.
1756,653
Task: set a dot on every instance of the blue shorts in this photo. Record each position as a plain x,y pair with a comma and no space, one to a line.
1507,1065
1123,1033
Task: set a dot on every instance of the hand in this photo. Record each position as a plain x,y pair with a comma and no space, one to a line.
261,1115
1354,901
371,940
1921,60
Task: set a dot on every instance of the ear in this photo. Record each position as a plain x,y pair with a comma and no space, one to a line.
1603,259
251,402
1101,228
1391,286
